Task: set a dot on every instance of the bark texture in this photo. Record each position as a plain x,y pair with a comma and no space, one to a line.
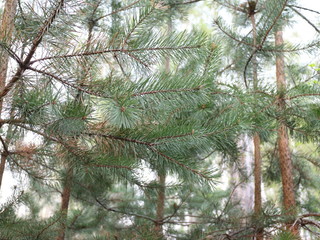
6,30
257,175
289,202
65,199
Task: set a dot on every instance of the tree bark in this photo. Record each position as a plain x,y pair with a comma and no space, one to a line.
160,203
2,166
256,139
289,202
6,30
65,199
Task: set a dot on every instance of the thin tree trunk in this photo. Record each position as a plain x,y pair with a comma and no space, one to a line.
6,29
2,165
256,138
289,202
65,199
160,203
161,175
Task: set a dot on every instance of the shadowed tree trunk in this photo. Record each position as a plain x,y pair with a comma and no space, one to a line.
160,203
289,202
256,137
6,29
162,175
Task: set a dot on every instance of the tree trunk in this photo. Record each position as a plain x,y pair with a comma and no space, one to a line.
256,139
162,175
6,29
257,175
2,166
160,203
65,199
289,202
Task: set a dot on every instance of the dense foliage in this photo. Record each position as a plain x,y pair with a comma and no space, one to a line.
117,124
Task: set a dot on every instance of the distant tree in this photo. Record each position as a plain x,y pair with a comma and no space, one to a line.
269,109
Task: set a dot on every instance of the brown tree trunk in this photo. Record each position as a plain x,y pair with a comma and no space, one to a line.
160,203
161,175
2,166
256,138
257,175
65,199
289,202
6,29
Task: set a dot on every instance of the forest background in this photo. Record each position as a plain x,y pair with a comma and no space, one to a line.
159,119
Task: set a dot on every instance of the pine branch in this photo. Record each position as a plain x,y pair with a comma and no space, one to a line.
5,147
67,83
141,20
232,37
303,8
47,227
11,121
125,51
169,217
175,136
184,3
125,213
231,6
196,172
108,166
149,144
306,19
118,10
273,23
302,95
167,91
35,43
11,53
296,49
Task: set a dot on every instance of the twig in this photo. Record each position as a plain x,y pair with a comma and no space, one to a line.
303,8
306,19
118,10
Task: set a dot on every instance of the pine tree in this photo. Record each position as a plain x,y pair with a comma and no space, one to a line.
270,15
101,107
